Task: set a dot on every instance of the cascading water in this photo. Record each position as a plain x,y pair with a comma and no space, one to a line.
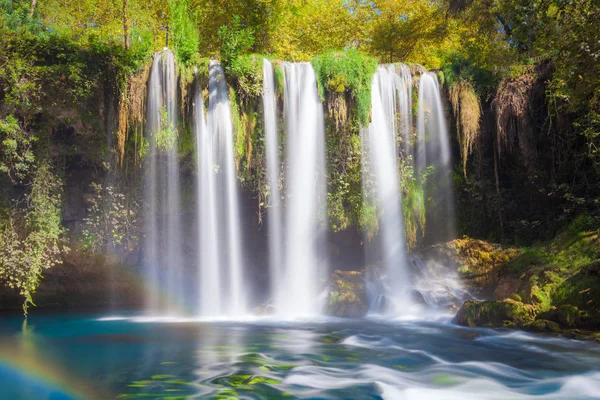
434,149
163,250
297,292
274,216
222,194
297,232
208,263
380,166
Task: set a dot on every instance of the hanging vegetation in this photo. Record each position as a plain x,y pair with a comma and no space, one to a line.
467,113
513,121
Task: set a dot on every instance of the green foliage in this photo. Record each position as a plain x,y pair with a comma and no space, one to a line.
236,39
111,221
347,72
16,155
239,133
32,239
246,74
344,176
15,16
413,208
279,80
55,70
166,137
457,68
184,32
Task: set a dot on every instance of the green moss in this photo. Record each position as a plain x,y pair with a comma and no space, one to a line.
495,314
347,72
279,80
239,133
557,270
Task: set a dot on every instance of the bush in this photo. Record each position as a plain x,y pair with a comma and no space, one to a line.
32,240
347,72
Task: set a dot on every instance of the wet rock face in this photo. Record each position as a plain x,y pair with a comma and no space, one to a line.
495,314
347,295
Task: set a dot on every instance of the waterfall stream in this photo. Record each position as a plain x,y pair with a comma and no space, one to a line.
220,127
380,152
163,256
273,170
305,208
434,150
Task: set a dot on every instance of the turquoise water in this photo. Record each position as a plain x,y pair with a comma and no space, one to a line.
80,356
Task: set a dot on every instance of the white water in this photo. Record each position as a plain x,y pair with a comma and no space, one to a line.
273,163
434,149
380,168
208,265
163,250
222,270
434,144
305,212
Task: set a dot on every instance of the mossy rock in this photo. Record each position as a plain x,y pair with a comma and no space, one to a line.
347,295
495,314
542,325
566,316
571,317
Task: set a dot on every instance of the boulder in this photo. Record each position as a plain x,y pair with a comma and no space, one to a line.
495,314
566,316
570,317
542,325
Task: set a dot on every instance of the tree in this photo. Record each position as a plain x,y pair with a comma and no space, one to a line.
33,3
125,25
398,28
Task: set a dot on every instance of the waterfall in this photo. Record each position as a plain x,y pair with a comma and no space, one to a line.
380,168
220,264
208,265
305,209
297,212
434,149
272,152
163,252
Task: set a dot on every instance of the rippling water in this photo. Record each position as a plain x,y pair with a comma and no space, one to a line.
86,356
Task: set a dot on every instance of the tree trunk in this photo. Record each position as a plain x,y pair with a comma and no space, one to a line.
33,3
125,25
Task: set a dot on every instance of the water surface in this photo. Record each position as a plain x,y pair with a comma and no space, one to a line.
98,357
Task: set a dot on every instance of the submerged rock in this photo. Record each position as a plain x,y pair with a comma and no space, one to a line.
495,314
347,295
